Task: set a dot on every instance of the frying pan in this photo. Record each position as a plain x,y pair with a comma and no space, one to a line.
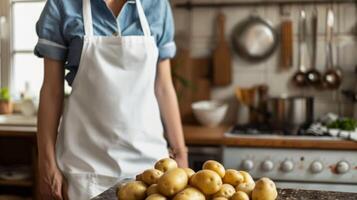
254,39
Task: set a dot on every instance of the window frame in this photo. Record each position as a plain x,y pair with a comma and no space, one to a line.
9,70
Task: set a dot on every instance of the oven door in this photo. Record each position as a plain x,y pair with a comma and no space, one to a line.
200,154
336,187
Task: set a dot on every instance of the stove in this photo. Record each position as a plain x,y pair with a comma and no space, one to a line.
265,129
297,168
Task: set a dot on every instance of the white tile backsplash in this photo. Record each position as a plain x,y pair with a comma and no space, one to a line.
347,18
247,74
348,56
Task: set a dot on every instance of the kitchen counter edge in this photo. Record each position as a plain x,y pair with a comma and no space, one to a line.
204,136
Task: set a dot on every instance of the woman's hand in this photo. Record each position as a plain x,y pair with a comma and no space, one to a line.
182,160
52,184
181,156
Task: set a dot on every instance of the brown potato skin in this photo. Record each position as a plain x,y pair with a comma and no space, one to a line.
189,193
219,198
156,197
246,187
233,177
189,172
135,190
239,196
265,189
172,182
152,189
166,164
169,182
151,176
214,166
247,177
207,181
226,191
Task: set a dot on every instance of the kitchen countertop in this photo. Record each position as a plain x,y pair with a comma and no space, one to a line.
18,125
284,194
198,135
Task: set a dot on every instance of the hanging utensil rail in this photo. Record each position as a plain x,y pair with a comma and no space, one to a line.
190,5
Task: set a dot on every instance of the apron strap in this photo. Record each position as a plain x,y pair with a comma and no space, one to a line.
87,18
143,20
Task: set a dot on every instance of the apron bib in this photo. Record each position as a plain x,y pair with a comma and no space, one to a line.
111,127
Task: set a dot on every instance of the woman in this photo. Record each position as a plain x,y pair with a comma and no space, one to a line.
118,55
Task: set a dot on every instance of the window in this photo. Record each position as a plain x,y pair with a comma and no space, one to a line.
26,69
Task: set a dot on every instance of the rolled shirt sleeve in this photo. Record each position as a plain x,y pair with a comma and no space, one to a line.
166,44
51,42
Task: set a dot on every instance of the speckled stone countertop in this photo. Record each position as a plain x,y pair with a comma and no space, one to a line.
284,194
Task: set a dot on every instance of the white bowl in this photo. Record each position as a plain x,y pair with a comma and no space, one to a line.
209,113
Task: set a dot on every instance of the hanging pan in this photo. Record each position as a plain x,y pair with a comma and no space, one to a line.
254,39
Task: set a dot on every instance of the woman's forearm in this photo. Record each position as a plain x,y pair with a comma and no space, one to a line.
48,119
171,117
50,110
169,108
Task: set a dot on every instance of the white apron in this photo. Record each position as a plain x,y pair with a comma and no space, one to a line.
111,127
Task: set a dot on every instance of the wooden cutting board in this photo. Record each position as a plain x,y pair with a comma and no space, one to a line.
222,58
286,44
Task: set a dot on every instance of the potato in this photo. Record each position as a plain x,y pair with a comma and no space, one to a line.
165,164
219,198
189,172
233,177
151,176
208,181
247,177
152,189
190,193
246,187
139,177
135,190
172,182
225,191
214,166
239,196
156,197
265,189
248,183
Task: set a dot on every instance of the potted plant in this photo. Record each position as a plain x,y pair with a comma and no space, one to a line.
5,101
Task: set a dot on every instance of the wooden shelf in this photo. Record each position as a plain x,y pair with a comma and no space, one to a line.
18,183
17,131
17,134
206,4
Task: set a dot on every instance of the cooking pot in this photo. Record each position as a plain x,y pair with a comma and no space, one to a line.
289,114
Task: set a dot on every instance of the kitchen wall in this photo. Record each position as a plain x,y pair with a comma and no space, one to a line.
200,23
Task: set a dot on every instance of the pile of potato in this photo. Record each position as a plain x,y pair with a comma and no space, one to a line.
168,182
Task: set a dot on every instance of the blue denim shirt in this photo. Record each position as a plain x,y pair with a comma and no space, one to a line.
60,28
